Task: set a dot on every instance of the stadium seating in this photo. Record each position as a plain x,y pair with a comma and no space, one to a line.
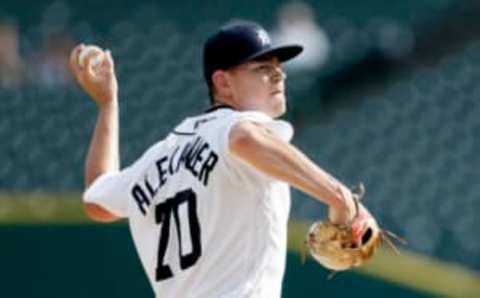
411,137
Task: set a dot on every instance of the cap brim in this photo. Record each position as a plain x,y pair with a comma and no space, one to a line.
283,53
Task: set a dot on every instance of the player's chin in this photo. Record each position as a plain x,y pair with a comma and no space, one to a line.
280,105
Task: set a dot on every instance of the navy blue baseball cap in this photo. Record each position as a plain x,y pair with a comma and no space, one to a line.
238,42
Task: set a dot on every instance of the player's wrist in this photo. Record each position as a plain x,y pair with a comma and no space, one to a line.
345,208
345,199
108,103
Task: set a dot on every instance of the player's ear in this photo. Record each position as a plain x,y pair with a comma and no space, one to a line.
221,83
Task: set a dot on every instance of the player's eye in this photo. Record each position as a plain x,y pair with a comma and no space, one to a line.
264,70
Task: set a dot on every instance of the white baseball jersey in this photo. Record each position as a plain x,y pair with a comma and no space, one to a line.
205,223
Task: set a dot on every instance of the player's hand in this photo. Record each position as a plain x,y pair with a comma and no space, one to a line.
354,214
343,215
98,80
358,223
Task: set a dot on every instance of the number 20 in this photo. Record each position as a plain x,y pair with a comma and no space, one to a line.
163,214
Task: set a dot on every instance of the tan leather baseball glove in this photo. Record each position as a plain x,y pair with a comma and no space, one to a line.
337,248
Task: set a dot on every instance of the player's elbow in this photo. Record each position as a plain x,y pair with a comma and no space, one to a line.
99,214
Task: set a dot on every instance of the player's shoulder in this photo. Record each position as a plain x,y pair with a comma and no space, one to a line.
211,117
231,115
217,117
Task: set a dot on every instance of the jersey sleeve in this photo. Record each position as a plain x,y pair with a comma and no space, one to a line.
281,128
237,169
112,190
108,192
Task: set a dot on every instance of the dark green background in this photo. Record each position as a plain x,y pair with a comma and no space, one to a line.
48,261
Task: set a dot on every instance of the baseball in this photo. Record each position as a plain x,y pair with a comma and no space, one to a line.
88,50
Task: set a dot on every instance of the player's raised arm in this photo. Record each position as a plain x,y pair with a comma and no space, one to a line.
94,70
259,147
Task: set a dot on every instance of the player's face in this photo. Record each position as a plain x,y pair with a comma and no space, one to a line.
259,85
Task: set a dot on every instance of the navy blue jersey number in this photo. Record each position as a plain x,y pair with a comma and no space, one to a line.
163,214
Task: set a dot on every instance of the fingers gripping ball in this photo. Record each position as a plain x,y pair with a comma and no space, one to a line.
335,246
92,54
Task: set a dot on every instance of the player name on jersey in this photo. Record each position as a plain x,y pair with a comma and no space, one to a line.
195,156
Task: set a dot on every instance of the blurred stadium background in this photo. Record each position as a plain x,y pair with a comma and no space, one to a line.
387,94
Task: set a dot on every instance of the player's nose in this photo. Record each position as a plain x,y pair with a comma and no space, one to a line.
278,75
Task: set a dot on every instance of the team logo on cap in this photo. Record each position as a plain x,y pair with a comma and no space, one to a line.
263,37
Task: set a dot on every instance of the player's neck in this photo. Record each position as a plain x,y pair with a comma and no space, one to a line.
218,106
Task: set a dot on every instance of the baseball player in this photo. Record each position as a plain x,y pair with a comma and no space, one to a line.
208,205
